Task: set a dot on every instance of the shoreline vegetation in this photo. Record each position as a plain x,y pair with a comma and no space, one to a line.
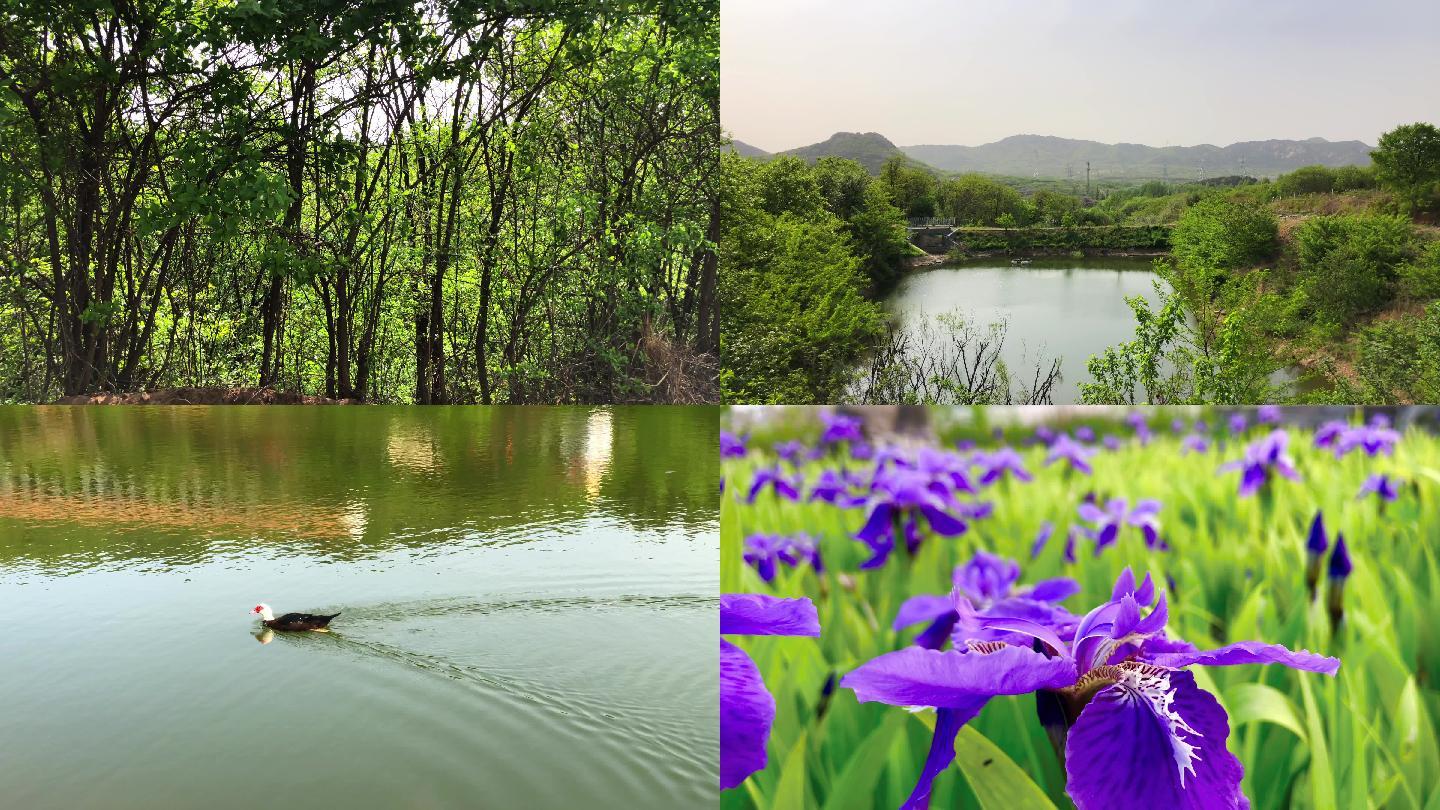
1094,240
1321,285
201,396
429,203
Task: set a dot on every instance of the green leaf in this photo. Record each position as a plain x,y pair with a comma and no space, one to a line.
997,782
790,794
1322,786
1256,702
855,788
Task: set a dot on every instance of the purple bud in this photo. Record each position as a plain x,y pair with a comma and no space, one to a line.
1319,541
1041,538
1340,566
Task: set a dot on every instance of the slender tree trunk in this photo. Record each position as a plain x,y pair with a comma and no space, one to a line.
296,135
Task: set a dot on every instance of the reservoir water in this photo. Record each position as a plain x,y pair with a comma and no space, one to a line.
1055,308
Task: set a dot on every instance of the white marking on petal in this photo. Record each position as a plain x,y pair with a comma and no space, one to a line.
1152,684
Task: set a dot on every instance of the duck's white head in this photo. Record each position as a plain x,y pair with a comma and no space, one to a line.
264,611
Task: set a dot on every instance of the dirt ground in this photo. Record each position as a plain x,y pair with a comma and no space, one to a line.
200,396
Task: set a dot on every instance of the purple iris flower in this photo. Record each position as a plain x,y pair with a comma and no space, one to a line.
840,428
1111,442
764,551
790,451
1136,729
1194,443
1117,513
1138,423
1376,438
836,487
944,466
998,463
1238,423
1065,448
747,710
901,495
1329,433
803,548
785,486
974,510
861,451
731,446
1085,433
1381,486
1177,426
985,586
1268,415
1264,457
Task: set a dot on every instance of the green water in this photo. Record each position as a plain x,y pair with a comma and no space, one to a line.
527,602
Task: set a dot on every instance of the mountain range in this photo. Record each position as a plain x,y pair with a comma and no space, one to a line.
1048,156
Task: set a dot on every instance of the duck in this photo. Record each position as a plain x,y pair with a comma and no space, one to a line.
293,621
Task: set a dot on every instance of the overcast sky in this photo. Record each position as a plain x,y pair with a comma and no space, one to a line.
1158,72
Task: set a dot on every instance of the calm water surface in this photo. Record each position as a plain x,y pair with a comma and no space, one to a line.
528,603
1065,308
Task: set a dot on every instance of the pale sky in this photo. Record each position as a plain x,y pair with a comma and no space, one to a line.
1157,72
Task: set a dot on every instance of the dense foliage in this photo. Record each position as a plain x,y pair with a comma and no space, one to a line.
801,248
1343,296
433,202
1407,159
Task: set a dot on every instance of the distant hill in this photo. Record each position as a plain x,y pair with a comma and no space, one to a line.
869,149
746,150
1047,156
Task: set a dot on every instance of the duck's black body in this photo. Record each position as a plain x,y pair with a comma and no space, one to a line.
300,621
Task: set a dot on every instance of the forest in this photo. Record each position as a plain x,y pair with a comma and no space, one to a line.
1321,285
369,200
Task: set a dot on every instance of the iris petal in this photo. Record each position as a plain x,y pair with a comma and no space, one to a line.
943,523
1054,590
953,678
877,524
757,614
942,751
1249,652
1152,739
746,713
922,608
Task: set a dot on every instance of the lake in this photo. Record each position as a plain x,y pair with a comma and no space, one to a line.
528,607
1066,308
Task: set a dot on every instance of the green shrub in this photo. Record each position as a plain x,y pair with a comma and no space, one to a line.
1350,178
1349,263
1306,180
1420,278
1399,360
1407,161
793,319
1223,233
